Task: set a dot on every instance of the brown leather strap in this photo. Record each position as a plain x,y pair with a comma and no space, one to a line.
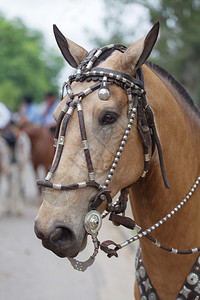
151,122
84,138
111,252
60,146
117,76
122,202
99,198
74,186
122,220
142,124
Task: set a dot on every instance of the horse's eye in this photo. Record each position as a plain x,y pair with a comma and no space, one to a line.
108,118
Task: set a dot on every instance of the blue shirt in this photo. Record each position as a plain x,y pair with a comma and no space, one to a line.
32,113
48,119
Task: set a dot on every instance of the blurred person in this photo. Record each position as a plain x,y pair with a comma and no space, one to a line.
6,131
5,116
29,111
49,106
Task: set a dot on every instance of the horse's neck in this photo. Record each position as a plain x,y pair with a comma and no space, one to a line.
151,201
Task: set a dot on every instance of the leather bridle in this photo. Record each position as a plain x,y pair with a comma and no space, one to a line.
134,87
136,99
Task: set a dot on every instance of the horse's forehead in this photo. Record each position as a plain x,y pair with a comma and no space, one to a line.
112,61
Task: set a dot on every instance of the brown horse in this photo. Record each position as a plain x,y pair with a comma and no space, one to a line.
41,144
107,110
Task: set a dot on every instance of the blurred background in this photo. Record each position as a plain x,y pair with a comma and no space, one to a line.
32,71
30,62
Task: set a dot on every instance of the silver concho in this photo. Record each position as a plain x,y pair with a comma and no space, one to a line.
192,278
152,296
142,272
93,222
104,94
197,288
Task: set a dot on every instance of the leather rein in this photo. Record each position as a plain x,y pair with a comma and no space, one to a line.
136,98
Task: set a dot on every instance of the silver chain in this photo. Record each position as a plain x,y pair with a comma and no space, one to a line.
82,266
163,220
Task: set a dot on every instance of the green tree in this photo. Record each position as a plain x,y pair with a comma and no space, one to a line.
178,46
26,67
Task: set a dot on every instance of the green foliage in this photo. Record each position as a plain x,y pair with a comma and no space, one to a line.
178,46
25,66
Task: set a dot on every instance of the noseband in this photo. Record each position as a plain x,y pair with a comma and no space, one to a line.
136,99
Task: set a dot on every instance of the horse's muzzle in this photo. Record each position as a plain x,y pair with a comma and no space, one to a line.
61,240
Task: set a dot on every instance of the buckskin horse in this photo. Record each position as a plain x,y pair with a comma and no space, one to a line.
155,159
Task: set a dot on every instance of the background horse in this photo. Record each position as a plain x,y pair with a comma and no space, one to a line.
41,144
17,178
60,221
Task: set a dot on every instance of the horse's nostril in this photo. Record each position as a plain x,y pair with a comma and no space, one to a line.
37,232
63,237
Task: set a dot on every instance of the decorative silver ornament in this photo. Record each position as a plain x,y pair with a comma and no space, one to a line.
192,278
197,288
104,94
185,291
152,296
137,275
140,289
136,262
147,284
142,272
93,222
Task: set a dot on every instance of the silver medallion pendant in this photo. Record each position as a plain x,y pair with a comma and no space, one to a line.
93,222
104,92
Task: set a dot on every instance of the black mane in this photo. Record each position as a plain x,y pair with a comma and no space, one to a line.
179,88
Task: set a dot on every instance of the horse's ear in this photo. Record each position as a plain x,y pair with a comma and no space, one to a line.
72,52
137,54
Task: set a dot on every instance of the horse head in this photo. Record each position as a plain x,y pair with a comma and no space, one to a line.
99,149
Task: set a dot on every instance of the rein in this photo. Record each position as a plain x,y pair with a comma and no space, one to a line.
134,88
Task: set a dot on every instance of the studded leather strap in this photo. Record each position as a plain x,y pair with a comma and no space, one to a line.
190,289
146,289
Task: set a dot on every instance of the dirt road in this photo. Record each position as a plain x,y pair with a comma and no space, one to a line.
30,272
